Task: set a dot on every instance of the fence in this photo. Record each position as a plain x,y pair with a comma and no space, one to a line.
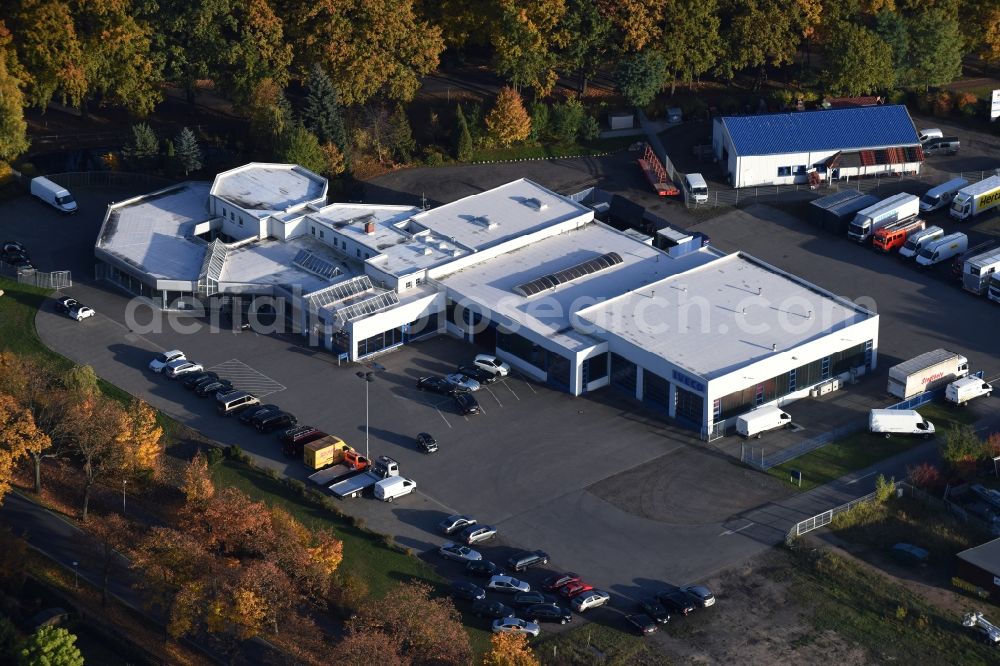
826,517
54,280
108,179
926,396
733,197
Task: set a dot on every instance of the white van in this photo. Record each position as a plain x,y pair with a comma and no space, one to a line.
965,389
759,421
393,487
697,187
930,133
53,194
941,196
943,249
890,422
919,240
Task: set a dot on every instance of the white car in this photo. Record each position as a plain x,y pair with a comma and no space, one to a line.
82,312
515,625
161,360
180,367
507,584
588,600
492,364
458,552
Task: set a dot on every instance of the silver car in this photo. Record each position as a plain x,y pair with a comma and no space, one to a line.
477,533
588,600
514,625
462,382
455,523
458,552
507,584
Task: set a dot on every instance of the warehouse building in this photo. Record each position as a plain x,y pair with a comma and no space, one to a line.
816,146
698,335
981,567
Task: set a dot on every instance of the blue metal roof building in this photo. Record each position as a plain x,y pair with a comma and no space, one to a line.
784,148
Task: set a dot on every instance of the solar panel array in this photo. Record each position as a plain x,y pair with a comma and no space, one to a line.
368,306
552,280
308,261
340,291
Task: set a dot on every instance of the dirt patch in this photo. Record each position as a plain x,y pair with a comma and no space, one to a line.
689,486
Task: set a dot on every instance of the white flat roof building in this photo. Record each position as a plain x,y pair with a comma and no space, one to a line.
266,189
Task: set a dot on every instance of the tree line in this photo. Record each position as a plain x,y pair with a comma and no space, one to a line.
123,53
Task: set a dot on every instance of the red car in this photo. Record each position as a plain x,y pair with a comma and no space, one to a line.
572,589
553,583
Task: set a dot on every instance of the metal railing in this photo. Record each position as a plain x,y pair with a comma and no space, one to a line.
36,278
826,517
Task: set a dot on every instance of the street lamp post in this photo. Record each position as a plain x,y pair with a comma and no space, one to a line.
76,575
368,376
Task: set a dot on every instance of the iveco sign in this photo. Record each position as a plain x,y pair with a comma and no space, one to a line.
690,382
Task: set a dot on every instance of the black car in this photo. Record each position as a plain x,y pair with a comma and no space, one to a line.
467,403
299,433
643,624
192,381
482,569
492,609
532,599
527,558
274,420
13,247
436,385
547,613
462,589
248,415
480,375
64,305
655,610
213,387
677,601
427,443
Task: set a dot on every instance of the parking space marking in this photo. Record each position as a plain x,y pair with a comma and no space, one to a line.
852,481
494,395
246,378
437,408
740,529
530,386
507,385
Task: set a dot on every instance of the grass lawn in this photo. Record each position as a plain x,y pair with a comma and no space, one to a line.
595,147
596,644
862,449
892,623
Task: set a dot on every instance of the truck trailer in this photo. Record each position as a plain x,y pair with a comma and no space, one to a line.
324,452
979,250
978,270
926,372
383,468
976,198
894,235
943,249
993,293
941,195
869,220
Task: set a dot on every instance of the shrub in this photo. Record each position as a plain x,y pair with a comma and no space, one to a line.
358,522
297,485
590,129
896,97
943,103
967,104
884,489
540,119
924,475
567,119
234,452
214,455
961,445
433,156
272,473
900,612
693,108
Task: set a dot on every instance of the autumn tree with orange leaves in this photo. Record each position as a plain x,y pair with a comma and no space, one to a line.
19,435
510,650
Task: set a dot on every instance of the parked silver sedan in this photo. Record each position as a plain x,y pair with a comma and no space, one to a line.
458,552
462,382
507,584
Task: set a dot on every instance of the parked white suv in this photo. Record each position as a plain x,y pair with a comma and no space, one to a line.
492,364
161,360
182,366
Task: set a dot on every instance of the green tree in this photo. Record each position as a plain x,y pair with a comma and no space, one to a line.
258,51
463,138
567,120
691,44
640,76
193,37
591,33
541,116
143,144
13,128
757,33
323,115
638,22
50,646
8,640
508,121
891,28
270,115
121,65
49,48
525,40
961,445
935,55
400,136
188,151
857,62
300,146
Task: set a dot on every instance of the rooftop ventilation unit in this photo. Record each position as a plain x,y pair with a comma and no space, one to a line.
535,204
428,251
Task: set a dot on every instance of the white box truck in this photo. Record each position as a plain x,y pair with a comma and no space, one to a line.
389,489
993,293
926,372
976,198
919,241
965,389
941,195
891,422
887,211
977,271
762,419
943,249
53,194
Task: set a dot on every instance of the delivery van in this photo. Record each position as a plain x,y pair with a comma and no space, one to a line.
943,249
389,489
891,422
759,421
53,194
697,187
919,240
941,195
965,389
